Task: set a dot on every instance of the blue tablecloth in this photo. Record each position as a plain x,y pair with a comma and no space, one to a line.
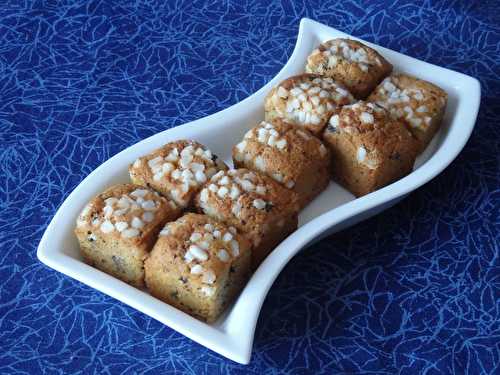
414,290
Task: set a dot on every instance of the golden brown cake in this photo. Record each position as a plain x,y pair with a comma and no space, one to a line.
117,228
198,265
176,170
288,154
259,207
358,67
306,100
369,148
418,103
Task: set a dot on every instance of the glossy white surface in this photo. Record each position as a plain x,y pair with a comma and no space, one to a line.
335,209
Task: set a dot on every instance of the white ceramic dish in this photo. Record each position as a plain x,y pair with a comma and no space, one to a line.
232,336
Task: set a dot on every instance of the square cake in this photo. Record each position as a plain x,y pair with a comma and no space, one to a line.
369,148
290,155
198,265
419,104
259,207
177,170
117,229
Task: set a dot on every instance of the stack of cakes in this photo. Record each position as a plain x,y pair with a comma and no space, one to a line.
192,230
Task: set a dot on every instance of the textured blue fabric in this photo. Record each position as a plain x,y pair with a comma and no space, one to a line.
414,290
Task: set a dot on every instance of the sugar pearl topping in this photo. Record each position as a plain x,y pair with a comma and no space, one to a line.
361,112
400,103
232,185
364,157
337,50
266,134
202,239
126,214
188,166
309,100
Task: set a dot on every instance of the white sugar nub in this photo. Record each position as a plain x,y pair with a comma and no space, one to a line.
361,154
217,175
418,95
290,184
204,245
107,227
176,174
121,226
130,233
167,167
208,277
227,237
137,163
224,181
108,211
223,255
121,212
222,192
235,248
247,185
366,118
235,193
334,121
188,257
236,209
200,177
197,269
207,155
148,216
259,204
154,161
123,203
198,252
195,237
208,227
217,234
271,140
110,201
278,177
139,193
173,155
281,144
260,163
422,109
85,211
148,205
137,223
282,92
260,189
241,146
204,196
165,231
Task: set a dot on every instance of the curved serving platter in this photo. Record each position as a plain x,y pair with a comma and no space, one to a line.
232,335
